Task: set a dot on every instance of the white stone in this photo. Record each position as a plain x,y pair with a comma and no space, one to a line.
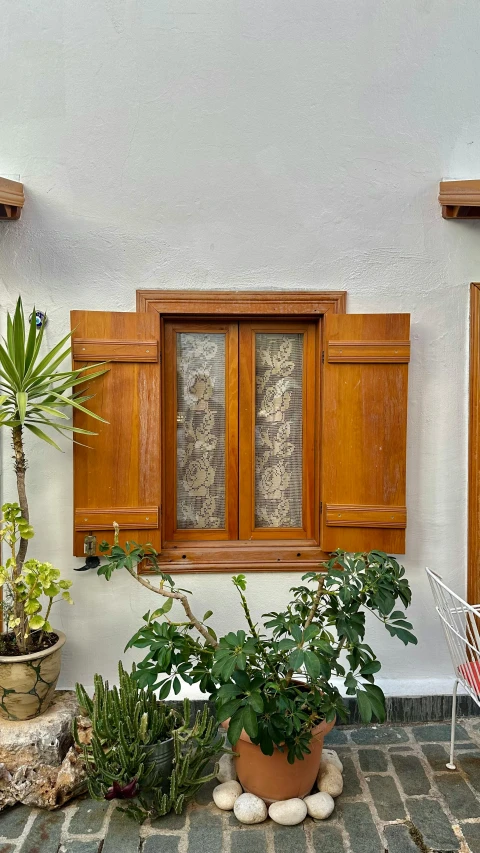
250,809
288,812
330,780
226,769
331,755
319,806
226,794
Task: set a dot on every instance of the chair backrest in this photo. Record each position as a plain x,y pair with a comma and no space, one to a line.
461,624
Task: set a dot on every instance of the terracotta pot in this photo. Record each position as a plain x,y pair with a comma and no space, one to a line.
28,682
271,777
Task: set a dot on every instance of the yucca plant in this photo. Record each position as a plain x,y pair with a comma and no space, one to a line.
36,395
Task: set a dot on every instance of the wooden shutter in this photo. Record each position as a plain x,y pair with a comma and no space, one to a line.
364,427
117,477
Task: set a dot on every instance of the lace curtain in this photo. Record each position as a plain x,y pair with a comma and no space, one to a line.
278,430
200,430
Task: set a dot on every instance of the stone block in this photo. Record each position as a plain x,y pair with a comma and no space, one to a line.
253,841
399,839
43,740
386,798
38,764
43,785
363,833
428,816
379,734
461,801
372,760
289,838
412,776
438,732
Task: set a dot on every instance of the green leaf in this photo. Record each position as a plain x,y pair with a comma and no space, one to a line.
235,727
228,710
40,434
296,659
164,690
256,701
296,632
364,706
250,723
310,633
36,622
22,400
312,664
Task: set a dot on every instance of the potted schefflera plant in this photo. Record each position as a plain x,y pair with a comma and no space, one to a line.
276,685
34,396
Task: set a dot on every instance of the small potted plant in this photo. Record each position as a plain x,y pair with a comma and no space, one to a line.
30,651
272,685
34,397
141,751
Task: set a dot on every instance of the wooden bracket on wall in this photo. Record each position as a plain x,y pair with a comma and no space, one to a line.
460,199
12,199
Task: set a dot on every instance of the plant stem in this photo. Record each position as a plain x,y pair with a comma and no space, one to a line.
20,469
183,601
254,631
310,618
315,605
20,466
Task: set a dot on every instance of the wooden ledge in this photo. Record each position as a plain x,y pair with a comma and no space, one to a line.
12,199
460,199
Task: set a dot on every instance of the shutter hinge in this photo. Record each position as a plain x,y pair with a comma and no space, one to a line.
159,357
321,507
323,357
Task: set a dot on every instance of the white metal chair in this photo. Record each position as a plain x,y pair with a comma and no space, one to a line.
461,623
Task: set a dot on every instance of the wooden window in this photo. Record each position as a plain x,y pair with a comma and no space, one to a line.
247,431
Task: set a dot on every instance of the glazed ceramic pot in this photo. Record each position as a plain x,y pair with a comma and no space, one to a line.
28,682
271,777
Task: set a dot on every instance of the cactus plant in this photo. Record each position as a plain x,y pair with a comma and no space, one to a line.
124,721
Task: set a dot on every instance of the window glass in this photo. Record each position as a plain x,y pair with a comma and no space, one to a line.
200,430
278,429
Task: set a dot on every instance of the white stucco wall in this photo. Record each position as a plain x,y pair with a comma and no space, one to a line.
281,144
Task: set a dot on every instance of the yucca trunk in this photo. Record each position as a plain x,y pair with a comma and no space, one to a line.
20,469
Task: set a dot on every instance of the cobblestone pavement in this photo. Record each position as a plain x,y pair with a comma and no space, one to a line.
398,798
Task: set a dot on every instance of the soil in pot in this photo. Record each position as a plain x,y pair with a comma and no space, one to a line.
28,682
271,777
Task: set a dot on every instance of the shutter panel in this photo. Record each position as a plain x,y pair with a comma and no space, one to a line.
117,477
364,428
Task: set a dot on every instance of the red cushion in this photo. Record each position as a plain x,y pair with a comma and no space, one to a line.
471,673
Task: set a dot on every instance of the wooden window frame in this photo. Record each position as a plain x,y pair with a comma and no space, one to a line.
260,555
310,529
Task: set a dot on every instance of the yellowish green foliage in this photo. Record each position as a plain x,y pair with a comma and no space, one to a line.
29,587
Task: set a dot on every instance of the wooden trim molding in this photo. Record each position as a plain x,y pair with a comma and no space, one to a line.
128,518
363,352
366,516
460,199
228,302
85,349
12,199
474,450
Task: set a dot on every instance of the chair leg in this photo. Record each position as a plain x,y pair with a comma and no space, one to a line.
451,765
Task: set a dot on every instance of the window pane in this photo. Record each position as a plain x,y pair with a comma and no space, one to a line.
278,430
200,430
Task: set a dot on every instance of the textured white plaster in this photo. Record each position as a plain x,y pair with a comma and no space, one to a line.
265,145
